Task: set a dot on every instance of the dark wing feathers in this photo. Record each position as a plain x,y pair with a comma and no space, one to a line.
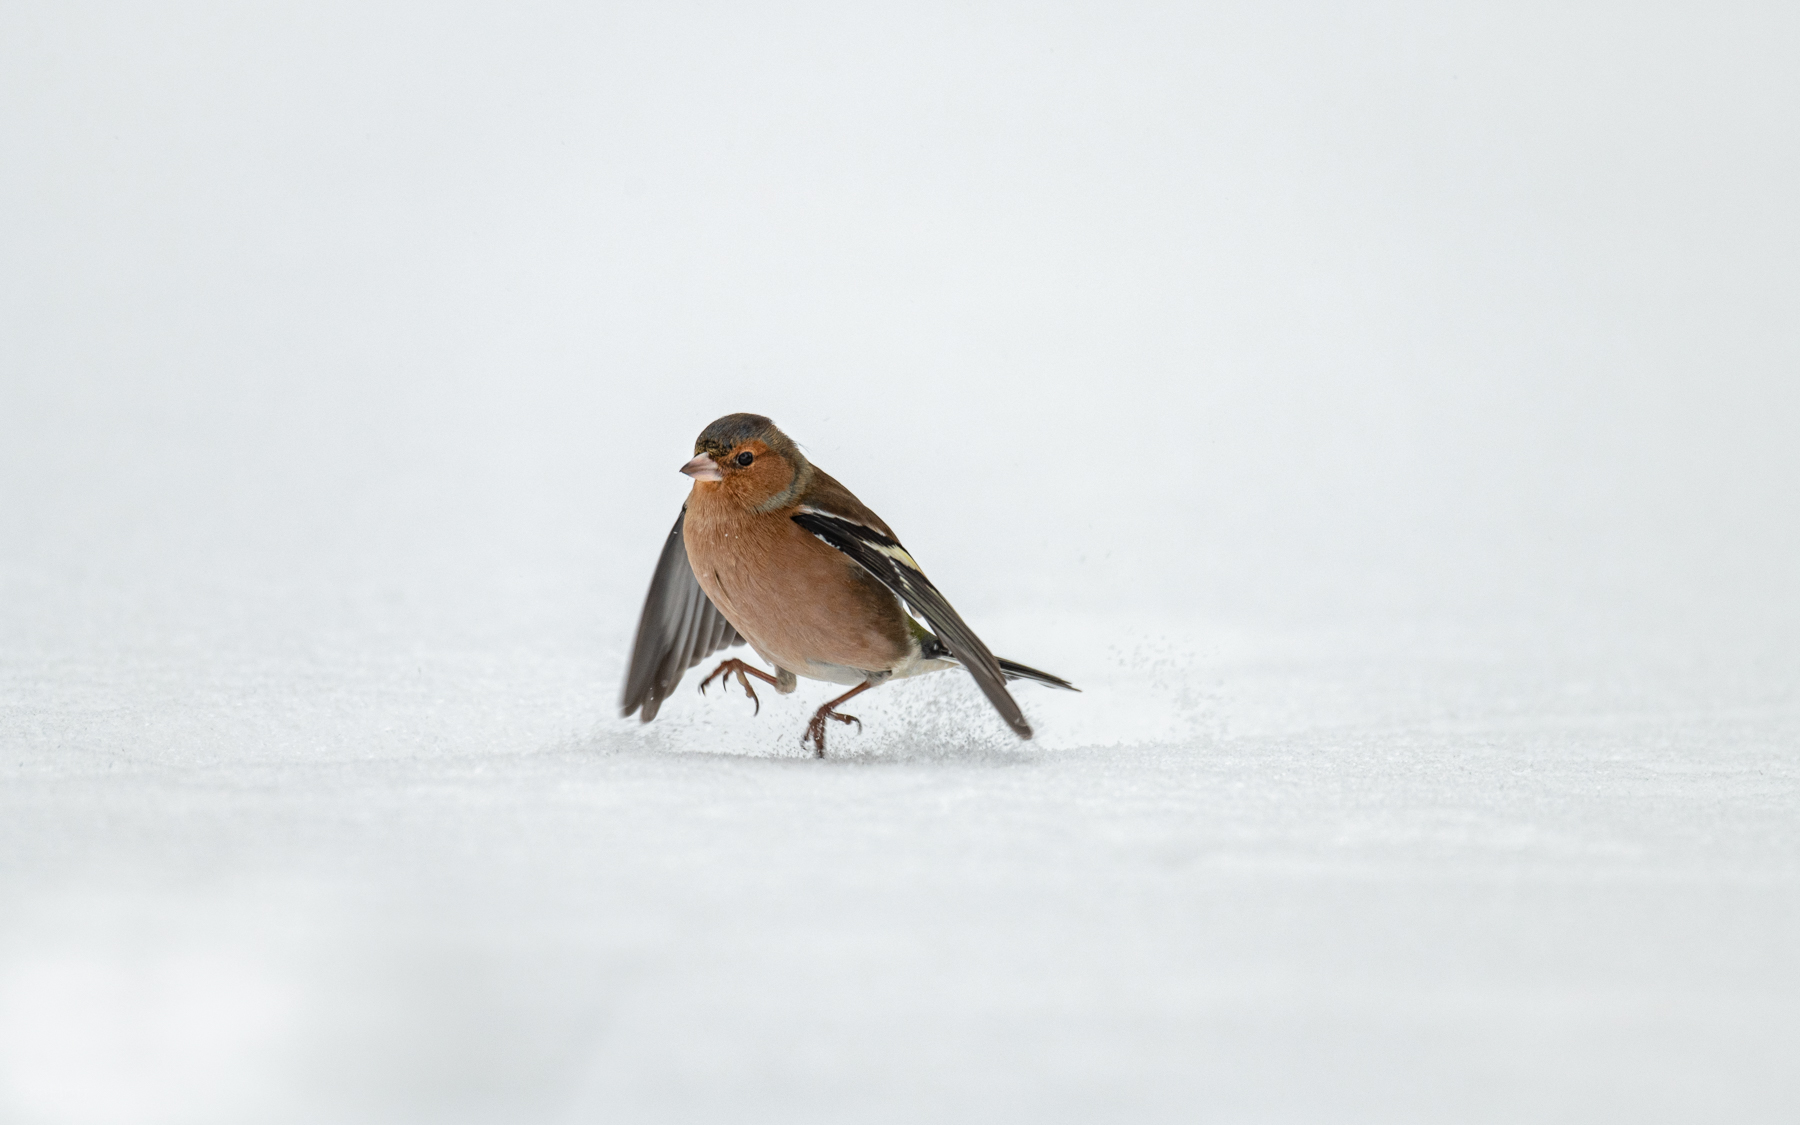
679,628
881,555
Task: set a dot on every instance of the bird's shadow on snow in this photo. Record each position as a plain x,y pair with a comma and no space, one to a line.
1139,693
931,721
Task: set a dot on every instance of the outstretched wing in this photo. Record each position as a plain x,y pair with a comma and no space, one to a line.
679,628
883,556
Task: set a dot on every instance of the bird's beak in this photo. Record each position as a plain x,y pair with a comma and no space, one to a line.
703,468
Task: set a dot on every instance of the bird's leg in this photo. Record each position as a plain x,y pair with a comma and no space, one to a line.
741,669
815,730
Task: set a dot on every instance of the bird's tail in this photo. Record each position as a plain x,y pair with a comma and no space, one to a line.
933,648
1013,670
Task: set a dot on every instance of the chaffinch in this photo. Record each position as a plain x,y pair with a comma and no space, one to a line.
769,549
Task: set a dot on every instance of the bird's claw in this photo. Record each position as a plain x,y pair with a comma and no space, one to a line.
727,670
750,691
815,730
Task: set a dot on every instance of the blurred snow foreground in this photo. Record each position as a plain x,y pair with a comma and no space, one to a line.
1385,416
1300,881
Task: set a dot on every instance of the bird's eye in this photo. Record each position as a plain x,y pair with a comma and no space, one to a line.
745,457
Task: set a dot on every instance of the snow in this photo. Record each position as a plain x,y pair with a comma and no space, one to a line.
1551,909
1385,418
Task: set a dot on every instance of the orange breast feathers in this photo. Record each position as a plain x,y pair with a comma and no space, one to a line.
797,600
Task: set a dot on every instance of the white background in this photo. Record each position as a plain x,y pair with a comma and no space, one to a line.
1386,413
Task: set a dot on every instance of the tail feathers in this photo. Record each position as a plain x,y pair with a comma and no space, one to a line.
933,648
1013,670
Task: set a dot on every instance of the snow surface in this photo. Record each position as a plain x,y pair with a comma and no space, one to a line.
1386,416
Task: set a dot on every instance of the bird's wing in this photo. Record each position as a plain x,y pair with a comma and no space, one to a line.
881,555
679,628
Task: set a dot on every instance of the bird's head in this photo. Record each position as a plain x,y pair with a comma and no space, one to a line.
745,460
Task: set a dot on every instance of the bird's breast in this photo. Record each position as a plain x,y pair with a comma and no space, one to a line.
801,603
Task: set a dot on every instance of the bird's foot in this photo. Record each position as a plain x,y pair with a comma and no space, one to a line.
743,672
815,730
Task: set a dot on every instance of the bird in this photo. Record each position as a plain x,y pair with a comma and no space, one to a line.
770,550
